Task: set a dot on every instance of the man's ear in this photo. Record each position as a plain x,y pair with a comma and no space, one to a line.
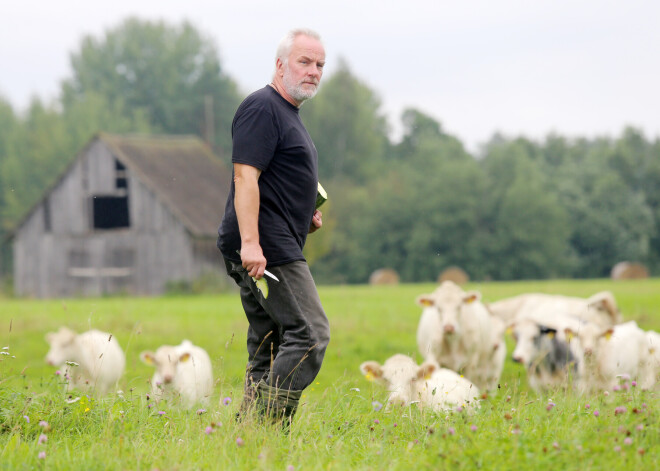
279,67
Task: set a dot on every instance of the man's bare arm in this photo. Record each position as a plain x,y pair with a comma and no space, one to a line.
246,203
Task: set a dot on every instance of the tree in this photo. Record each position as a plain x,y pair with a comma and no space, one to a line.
523,231
165,71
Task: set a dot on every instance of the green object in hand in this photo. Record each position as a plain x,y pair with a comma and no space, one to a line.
262,285
321,196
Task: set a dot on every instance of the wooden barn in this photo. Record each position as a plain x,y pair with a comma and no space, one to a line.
129,215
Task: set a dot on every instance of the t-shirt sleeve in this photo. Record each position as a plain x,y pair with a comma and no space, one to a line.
254,138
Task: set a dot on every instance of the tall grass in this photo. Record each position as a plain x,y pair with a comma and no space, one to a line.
341,424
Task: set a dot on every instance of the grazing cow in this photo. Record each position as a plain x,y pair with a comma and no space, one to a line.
456,331
93,361
612,353
600,309
428,385
550,361
182,370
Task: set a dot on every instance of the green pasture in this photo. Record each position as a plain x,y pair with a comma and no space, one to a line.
339,426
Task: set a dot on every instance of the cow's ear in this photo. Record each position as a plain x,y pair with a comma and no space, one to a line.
426,369
607,334
509,328
471,296
148,358
425,300
371,370
184,357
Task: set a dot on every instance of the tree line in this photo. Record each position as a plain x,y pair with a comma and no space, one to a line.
519,209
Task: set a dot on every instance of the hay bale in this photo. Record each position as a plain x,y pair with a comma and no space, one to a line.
384,276
629,271
455,274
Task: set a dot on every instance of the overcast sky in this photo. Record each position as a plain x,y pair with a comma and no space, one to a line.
577,68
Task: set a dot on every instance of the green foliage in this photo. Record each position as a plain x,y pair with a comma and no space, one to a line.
158,69
338,427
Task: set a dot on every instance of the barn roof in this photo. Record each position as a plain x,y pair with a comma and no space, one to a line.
183,173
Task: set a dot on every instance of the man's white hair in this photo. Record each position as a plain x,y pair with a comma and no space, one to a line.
286,43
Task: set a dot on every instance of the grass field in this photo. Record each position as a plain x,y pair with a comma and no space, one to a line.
338,427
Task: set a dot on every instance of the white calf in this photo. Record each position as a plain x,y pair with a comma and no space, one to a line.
430,386
92,360
184,370
611,353
457,332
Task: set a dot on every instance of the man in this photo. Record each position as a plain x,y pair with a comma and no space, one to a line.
269,212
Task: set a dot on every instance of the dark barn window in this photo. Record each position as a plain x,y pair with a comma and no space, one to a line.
110,212
120,175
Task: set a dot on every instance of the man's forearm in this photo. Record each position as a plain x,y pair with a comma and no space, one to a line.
246,203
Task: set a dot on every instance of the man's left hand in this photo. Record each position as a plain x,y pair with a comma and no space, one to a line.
317,221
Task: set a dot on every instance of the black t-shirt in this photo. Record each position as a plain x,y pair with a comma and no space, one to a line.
267,133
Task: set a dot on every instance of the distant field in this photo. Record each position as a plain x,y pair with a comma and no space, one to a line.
336,429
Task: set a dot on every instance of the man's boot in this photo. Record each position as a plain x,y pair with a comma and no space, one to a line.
277,404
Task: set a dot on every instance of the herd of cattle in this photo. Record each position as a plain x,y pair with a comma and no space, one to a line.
562,342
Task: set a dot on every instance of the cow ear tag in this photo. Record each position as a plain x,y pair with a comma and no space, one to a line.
184,358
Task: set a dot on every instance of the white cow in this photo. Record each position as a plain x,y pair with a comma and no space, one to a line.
550,360
429,385
92,360
181,370
612,353
601,308
456,331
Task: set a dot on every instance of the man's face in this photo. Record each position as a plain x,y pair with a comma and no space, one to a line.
302,72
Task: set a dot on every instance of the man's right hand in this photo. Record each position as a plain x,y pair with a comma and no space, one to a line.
253,260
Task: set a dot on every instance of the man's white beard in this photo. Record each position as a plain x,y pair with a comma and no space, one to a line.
296,90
